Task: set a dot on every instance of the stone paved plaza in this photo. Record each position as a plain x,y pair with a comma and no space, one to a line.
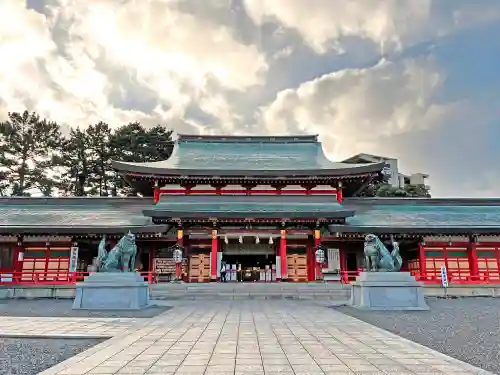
239,337
66,327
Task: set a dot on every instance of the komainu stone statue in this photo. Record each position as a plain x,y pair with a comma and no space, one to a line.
378,257
120,258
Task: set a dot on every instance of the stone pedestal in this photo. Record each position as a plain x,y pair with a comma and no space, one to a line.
387,291
112,291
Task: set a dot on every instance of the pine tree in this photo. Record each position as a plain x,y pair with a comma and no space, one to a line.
34,157
100,174
27,145
4,184
72,164
160,144
133,143
130,143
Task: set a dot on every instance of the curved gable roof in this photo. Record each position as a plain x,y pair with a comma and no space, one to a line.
248,156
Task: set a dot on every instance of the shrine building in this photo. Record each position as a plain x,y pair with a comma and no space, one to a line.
261,204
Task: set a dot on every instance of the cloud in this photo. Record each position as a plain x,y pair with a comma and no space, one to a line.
390,24
356,108
71,61
394,109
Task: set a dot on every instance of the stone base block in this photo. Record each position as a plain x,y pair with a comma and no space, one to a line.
387,291
112,291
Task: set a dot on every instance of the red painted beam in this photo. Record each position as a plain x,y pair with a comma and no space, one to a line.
249,192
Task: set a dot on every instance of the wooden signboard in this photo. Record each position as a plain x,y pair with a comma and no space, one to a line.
164,265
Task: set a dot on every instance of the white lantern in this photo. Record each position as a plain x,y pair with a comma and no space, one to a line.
177,256
320,256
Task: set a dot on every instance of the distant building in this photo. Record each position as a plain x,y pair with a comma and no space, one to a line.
395,178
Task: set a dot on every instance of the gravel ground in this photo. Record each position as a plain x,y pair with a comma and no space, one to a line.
467,329
31,356
62,308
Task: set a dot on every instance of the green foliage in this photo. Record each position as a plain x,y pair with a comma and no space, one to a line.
409,191
72,163
134,143
4,184
100,174
417,191
26,147
36,158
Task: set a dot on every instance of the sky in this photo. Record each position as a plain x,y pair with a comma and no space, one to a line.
414,80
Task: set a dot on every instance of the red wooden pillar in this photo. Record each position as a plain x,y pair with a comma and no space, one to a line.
445,255
473,264
18,255
18,259
156,196
152,256
180,241
215,248
497,255
310,261
343,261
340,195
422,265
284,265
317,242
47,258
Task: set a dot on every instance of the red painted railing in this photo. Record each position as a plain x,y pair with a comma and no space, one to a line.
52,278
455,277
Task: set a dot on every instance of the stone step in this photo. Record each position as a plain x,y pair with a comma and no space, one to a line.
210,291
250,286
244,296
251,291
339,294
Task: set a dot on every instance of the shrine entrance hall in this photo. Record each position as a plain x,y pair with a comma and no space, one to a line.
248,261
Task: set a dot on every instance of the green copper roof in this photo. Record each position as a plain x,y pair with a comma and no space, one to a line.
248,156
472,216
247,207
77,215
427,215
69,215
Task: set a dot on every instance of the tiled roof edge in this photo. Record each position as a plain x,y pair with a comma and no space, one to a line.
424,201
74,200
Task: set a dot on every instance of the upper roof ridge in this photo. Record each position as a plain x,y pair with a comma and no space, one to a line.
248,138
